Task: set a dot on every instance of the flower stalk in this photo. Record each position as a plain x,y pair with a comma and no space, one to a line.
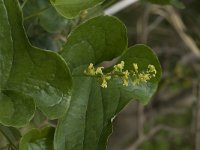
134,75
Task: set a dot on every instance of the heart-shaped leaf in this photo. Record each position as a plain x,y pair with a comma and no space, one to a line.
88,122
71,8
29,72
99,39
38,139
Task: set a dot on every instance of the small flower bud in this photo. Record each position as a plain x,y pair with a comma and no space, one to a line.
125,82
90,70
126,74
104,83
151,68
107,77
99,70
119,67
135,67
144,77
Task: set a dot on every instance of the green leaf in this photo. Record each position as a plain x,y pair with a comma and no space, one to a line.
16,109
6,57
11,134
71,8
47,17
52,21
99,39
143,56
116,96
94,12
38,140
41,75
88,121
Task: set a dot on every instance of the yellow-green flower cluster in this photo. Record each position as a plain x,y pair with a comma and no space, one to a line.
144,76
134,75
91,71
119,67
118,71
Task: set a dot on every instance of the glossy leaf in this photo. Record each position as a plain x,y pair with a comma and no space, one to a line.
38,139
71,8
6,57
16,109
35,74
88,122
90,42
116,96
47,17
99,39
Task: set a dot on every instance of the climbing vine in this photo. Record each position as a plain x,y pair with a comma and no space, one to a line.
74,92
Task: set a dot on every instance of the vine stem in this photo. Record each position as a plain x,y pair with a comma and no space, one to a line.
119,6
37,13
109,74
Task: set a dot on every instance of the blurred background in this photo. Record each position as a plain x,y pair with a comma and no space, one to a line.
171,121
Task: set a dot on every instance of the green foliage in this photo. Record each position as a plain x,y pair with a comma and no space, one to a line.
96,106
47,82
94,42
16,109
72,8
12,135
38,140
55,83
47,17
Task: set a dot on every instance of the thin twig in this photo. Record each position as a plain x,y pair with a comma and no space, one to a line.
152,133
175,20
180,28
155,23
140,120
119,6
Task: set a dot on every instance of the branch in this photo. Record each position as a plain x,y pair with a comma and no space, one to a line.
176,22
179,26
119,6
140,120
152,133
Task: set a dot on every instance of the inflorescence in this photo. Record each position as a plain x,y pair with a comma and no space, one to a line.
134,75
